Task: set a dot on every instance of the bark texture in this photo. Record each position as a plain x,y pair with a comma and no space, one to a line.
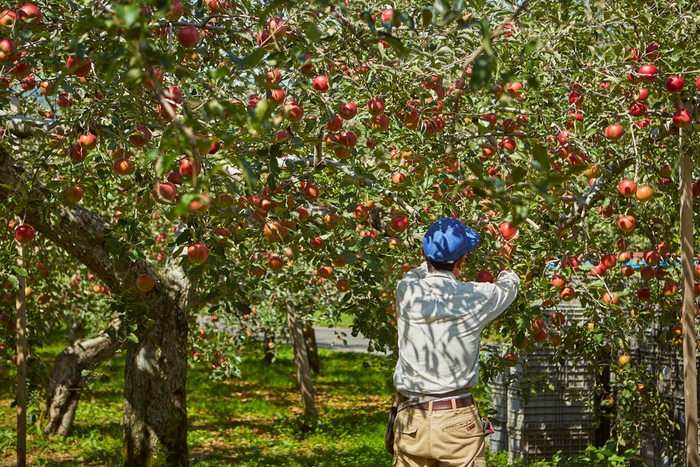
155,415
67,382
269,349
311,347
302,363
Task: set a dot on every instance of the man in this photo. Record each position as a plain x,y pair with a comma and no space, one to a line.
439,321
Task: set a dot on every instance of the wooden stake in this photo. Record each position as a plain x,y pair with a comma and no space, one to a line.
689,362
302,362
21,365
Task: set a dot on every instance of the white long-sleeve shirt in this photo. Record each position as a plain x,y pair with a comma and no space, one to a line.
440,319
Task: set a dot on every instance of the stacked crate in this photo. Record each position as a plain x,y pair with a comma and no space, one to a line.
550,421
666,362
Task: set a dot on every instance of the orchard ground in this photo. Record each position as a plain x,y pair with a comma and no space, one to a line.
253,421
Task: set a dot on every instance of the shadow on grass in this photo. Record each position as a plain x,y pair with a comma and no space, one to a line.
362,456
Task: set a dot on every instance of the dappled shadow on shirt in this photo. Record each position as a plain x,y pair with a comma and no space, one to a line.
439,321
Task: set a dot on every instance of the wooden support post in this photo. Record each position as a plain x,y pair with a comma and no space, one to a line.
689,362
302,362
21,365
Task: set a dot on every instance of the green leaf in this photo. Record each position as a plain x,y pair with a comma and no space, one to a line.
85,373
13,280
19,271
367,18
541,156
450,16
127,14
426,17
482,71
407,19
440,7
263,109
458,5
164,162
312,32
396,44
131,337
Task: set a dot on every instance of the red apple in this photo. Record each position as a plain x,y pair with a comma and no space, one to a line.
557,281
334,124
376,106
627,188
611,298
8,18
24,234
342,285
644,294
303,214
175,12
164,192
626,224
647,273
567,294
507,230
188,37
141,136
88,141
380,122
321,83
347,111
198,253
614,132
74,194
510,360
325,271
398,178
78,67
399,223
647,72
674,84
275,263
6,49
682,118
29,15
360,213
145,283
484,276
77,153
644,193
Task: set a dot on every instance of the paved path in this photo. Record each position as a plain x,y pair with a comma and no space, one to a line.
337,338
340,340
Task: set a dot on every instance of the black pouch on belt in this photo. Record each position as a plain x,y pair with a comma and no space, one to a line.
389,435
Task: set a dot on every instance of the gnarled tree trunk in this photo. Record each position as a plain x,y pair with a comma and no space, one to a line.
155,410
67,382
155,415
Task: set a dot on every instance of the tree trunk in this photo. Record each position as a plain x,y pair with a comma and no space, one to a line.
155,416
269,349
76,330
67,382
302,362
155,408
311,347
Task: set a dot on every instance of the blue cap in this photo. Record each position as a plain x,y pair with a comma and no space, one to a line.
447,240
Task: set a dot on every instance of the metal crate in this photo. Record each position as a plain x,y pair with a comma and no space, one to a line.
534,443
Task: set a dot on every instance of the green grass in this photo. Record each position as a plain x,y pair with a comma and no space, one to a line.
250,422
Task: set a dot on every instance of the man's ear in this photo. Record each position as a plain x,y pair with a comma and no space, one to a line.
422,252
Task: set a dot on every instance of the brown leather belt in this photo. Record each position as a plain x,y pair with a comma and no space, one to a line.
446,404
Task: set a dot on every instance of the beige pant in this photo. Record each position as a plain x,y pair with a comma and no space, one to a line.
439,438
